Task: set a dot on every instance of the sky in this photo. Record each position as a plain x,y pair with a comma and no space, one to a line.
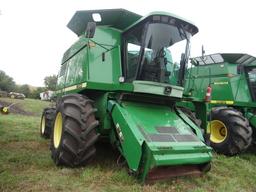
34,36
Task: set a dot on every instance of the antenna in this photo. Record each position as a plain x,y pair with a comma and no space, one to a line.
203,51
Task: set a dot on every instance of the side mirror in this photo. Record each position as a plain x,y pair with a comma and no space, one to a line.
90,29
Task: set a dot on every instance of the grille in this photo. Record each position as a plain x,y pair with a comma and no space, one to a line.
188,138
161,137
172,130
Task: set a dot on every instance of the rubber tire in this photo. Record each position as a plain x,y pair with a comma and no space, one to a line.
49,114
239,132
78,137
191,115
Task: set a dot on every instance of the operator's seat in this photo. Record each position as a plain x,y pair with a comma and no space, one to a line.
156,69
150,72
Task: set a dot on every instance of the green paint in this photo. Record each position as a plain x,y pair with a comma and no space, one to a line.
228,84
157,88
252,118
138,128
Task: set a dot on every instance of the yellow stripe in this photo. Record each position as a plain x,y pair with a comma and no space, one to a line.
222,102
73,87
221,83
70,88
84,85
230,102
79,86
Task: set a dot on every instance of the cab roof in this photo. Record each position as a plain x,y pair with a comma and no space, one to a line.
122,19
116,18
233,58
170,18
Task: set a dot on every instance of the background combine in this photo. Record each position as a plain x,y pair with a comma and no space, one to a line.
117,82
228,83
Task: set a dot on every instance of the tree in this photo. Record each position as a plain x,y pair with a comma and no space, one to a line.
6,82
24,89
50,82
35,94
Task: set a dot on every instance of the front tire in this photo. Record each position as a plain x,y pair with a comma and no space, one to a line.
74,133
230,132
191,115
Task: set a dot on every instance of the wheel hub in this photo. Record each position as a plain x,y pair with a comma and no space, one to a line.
57,132
43,125
218,131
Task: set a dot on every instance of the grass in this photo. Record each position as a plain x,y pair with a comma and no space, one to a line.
26,165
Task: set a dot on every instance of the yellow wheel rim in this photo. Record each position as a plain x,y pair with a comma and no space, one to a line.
5,110
12,96
57,130
218,131
43,125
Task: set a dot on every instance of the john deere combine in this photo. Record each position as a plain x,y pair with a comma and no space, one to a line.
117,82
228,83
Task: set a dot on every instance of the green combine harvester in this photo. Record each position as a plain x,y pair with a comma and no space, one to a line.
116,82
228,83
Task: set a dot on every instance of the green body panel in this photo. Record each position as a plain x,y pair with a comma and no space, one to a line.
109,70
226,84
157,88
141,123
251,117
85,65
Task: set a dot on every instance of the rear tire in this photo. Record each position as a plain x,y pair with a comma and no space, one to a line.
230,132
74,134
46,125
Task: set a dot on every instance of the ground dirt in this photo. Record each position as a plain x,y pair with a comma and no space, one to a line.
15,108
26,163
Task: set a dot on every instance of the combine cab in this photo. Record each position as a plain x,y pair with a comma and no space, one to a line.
117,82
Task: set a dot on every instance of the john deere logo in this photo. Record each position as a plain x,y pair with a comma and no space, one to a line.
221,83
167,90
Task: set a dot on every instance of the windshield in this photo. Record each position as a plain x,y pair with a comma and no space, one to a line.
252,75
251,78
154,52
